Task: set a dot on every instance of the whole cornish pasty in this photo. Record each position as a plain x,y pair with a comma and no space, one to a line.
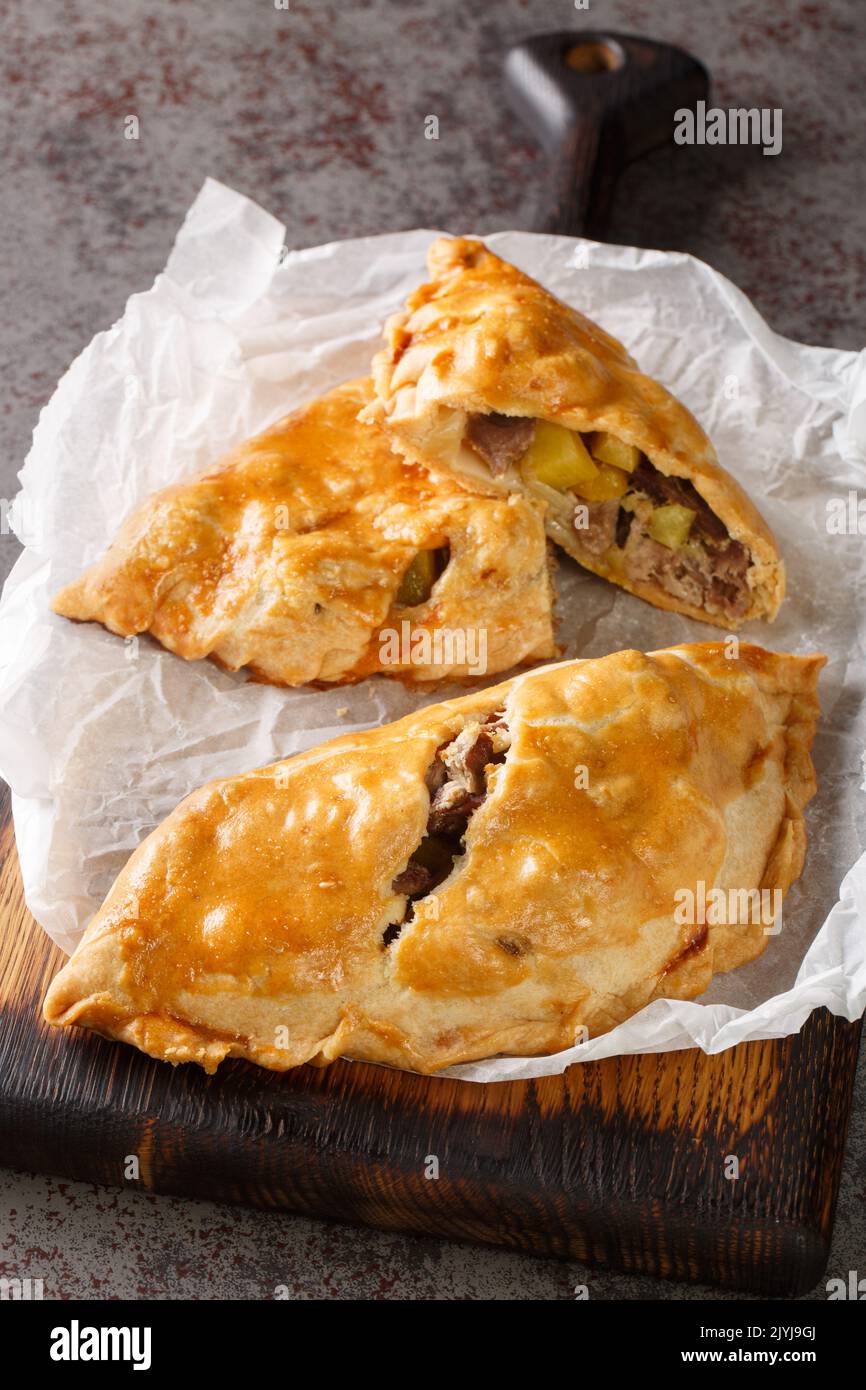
502,873
304,552
491,378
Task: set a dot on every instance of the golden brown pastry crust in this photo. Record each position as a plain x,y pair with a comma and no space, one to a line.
251,922
481,336
287,557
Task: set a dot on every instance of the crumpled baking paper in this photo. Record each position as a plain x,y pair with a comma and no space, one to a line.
100,738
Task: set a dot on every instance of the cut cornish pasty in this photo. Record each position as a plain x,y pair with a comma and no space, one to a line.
303,554
489,377
501,873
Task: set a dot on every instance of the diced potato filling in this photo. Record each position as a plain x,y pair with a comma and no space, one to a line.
596,468
606,448
670,537
608,483
558,458
671,525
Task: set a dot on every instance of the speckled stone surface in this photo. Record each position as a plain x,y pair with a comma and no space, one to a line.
318,112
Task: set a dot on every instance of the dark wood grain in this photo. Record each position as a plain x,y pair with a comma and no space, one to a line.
597,101
618,1163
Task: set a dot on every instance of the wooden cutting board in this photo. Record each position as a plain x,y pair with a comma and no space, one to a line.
618,1163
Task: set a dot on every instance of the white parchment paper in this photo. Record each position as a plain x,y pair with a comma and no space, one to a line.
100,738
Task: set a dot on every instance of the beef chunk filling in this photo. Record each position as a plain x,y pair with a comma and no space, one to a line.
457,780
451,809
501,440
708,572
623,526
596,524
414,880
706,576
679,491
645,560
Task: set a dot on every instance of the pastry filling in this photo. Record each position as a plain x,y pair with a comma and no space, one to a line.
417,583
501,440
458,780
648,526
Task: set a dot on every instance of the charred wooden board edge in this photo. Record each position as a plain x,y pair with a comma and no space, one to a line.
769,1258
616,1163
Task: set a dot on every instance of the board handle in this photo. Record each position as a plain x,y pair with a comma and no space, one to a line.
596,101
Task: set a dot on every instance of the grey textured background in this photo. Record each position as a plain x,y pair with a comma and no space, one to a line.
318,112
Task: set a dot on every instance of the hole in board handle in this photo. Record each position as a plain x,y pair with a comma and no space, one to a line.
592,57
